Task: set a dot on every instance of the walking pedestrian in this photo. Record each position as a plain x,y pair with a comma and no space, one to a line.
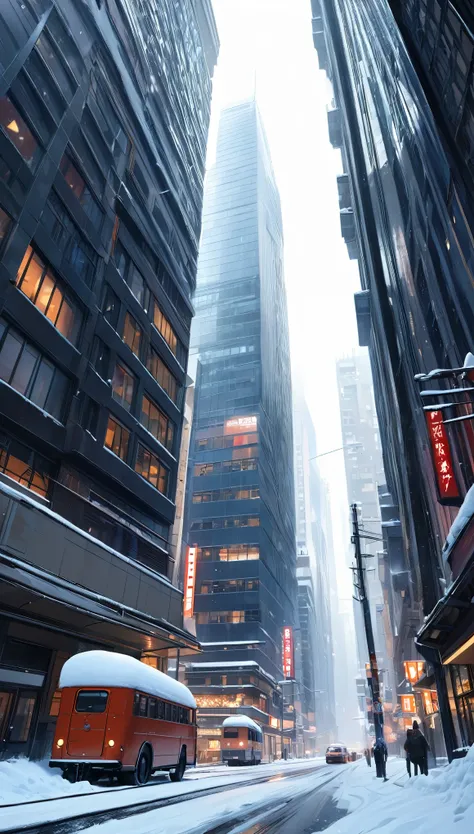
408,749
368,758
380,758
419,750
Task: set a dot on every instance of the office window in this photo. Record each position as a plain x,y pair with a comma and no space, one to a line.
117,438
226,522
132,334
76,251
132,276
157,423
100,357
224,466
29,372
5,225
58,69
24,466
111,307
162,375
18,132
151,469
80,189
49,295
232,617
229,494
122,386
90,416
164,327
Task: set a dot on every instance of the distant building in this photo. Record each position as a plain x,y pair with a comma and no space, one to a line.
240,519
103,127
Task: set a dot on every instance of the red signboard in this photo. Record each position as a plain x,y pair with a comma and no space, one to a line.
288,659
190,582
443,463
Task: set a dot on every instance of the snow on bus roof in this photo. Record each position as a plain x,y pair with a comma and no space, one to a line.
241,721
99,668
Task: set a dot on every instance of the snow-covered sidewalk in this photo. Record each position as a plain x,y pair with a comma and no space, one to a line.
440,803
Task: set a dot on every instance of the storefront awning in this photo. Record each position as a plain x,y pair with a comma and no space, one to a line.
32,595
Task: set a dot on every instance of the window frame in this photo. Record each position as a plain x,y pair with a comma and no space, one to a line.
122,430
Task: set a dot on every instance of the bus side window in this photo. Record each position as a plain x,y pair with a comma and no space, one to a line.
167,712
160,710
152,708
143,707
136,703
174,712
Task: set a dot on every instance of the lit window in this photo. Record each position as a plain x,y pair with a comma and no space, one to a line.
132,334
116,439
48,294
122,386
18,132
162,375
164,327
157,423
150,468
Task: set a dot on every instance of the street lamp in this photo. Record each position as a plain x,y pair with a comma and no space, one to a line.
339,449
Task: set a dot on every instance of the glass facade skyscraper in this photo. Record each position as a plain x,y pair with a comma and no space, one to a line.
240,505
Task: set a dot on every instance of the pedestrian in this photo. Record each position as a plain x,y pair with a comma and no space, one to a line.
408,749
368,756
419,750
380,758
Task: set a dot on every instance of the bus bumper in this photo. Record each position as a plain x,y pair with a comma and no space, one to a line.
100,764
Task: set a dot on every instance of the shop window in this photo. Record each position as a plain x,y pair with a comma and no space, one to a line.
151,469
18,132
123,383
162,375
157,423
111,307
22,718
27,371
132,334
117,438
49,295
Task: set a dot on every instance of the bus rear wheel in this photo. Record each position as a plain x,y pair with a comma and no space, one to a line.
177,774
142,772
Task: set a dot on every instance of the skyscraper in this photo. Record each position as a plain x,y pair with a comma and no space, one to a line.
240,513
104,114
314,551
403,119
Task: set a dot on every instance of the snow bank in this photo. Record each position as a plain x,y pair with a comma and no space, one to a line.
241,721
23,781
99,668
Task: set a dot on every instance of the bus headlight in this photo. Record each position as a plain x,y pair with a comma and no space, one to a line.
241,744
60,742
111,742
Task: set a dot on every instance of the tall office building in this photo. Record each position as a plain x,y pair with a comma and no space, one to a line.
240,507
103,122
403,80
314,551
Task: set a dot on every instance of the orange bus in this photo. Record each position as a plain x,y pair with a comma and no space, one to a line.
118,715
241,742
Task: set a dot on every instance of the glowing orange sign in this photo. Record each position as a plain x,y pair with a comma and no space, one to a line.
408,704
288,660
443,463
190,582
414,670
430,701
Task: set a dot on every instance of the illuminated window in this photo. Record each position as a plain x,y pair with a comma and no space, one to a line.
151,469
122,386
231,617
162,375
48,294
81,190
164,327
117,438
230,494
25,467
16,129
132,334
157,423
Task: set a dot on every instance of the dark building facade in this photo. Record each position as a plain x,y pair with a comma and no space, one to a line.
240,504
103,123
403,118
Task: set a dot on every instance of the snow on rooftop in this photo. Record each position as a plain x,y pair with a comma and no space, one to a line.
99,668
220,664
241,721
466,511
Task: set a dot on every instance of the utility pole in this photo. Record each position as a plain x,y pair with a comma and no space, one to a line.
374,683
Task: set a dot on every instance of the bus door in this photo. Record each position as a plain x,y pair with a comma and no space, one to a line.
88,724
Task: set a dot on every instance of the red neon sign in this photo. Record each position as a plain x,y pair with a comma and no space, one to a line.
190,582
288,659
442,459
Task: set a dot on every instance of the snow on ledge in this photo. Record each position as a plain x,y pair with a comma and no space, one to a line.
99,668
241,721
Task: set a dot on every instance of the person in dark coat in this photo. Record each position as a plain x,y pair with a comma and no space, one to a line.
368,757
407,747
419,750
380,758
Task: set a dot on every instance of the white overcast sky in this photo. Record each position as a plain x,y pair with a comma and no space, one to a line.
271,41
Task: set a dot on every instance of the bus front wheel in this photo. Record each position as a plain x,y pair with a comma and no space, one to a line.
177,774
